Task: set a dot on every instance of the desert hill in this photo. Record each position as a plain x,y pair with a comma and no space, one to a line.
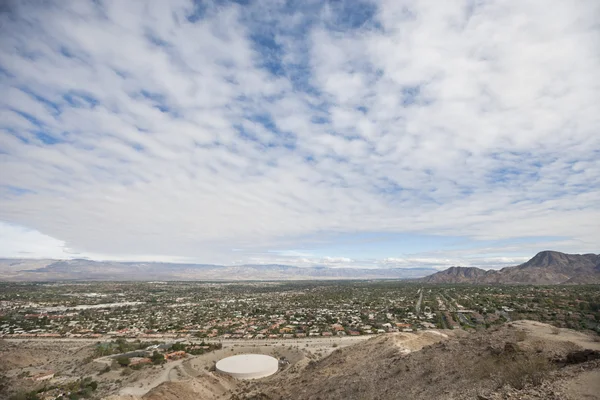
545,268
521,359
458,275
525,358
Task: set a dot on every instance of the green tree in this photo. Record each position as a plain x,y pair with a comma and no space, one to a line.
157,358
123,361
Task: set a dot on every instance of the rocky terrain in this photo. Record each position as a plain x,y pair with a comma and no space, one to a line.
525,359
23,359
518,360
546,268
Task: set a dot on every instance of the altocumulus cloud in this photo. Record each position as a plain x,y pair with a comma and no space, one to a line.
225,132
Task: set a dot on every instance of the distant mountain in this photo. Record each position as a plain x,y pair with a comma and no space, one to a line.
82,270
546,268
458,275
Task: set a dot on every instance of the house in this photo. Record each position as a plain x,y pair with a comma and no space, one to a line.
140,361
176,355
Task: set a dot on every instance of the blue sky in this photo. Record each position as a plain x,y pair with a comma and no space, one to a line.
342,133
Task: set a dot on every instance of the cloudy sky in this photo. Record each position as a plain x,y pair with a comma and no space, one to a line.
377,133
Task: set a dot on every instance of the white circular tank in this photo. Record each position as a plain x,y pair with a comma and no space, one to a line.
248,366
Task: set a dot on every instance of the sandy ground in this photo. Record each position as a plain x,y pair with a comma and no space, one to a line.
551,334
193,377
585,387
409,342
212,385
464,365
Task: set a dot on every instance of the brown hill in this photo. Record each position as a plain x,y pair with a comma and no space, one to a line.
458,275
524,359
546,268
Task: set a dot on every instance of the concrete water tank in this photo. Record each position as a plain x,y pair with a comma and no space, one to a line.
248,366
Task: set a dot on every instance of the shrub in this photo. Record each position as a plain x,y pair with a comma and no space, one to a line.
25,396
520,336
157,358
515,370
123,361
86,392
533,370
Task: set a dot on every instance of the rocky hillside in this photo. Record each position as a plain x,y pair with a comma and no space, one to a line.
546,268
518,360
525,360
459,275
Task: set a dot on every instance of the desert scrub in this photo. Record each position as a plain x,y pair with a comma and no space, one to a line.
520,336
533,370
517,370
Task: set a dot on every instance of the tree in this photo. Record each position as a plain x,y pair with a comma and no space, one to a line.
122,345
157,358
178,347
123,361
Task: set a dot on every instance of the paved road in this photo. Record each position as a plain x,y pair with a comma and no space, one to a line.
418,305
340,340
316,340
449,306
464,320
60,340
147,384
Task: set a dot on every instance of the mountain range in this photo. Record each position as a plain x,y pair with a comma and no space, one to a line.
85,270
547,267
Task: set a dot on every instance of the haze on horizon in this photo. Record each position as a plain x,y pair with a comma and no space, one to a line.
342,133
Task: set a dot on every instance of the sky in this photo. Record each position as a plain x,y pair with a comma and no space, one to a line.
354,133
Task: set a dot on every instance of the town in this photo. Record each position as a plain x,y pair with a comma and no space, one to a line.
279,310
74,340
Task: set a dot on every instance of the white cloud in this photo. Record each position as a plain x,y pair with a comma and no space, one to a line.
18,242
453,119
